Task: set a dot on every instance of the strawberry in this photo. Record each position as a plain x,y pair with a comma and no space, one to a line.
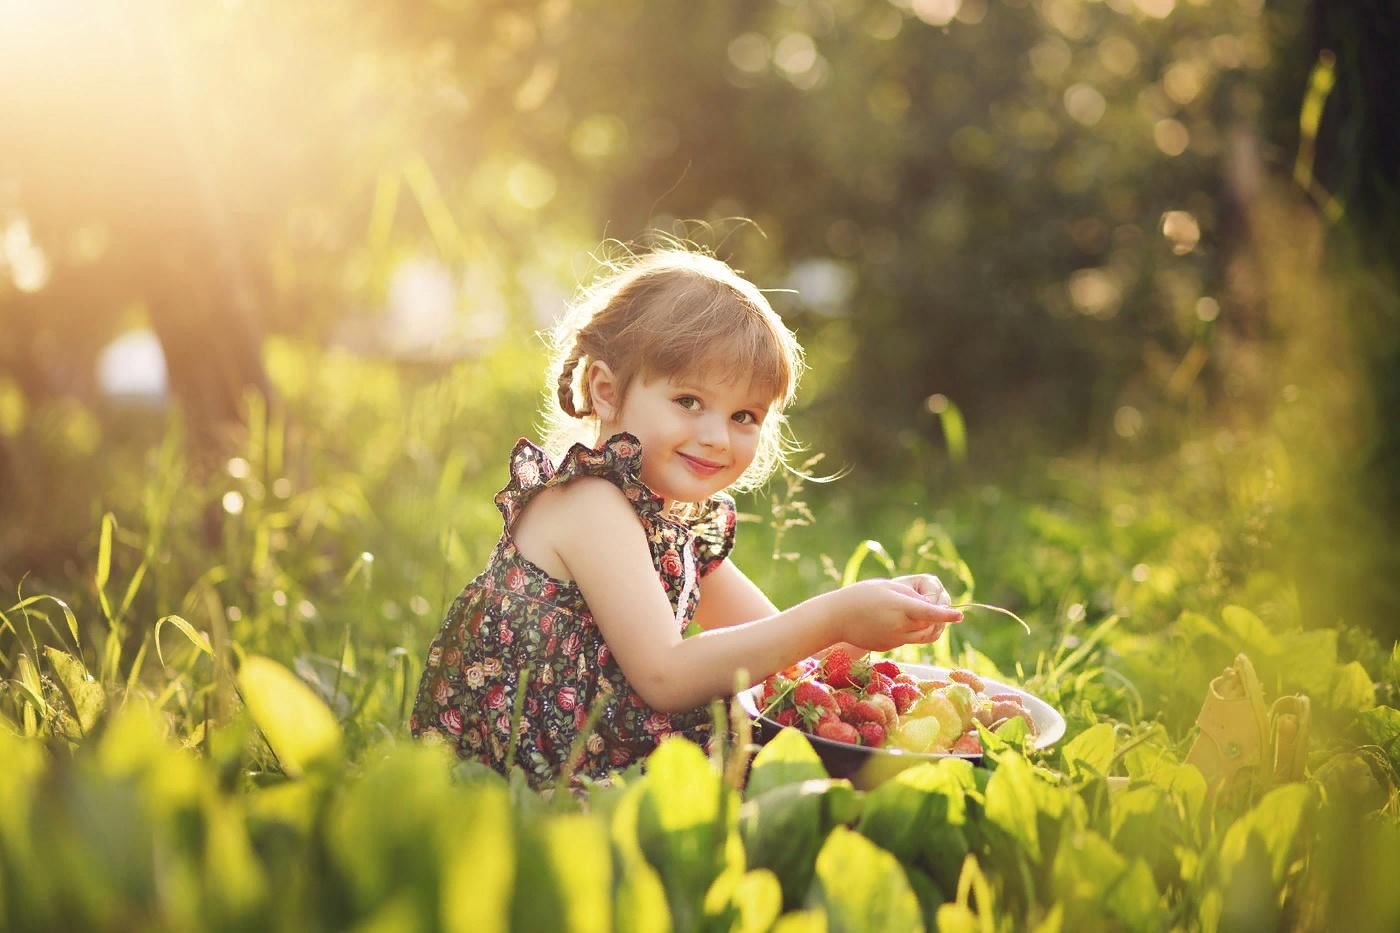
866,711
904,696
888,668
928,686
872,734
775,686
968,744
811,693
838,731
841,670
886,706
787,717
879,683
967,677
845,702
909,679
1009,697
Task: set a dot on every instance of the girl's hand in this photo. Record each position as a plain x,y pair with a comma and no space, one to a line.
879,615
932,589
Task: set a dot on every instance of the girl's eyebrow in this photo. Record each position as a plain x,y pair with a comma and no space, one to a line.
694,389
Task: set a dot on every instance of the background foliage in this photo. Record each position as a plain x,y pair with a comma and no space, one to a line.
1100,301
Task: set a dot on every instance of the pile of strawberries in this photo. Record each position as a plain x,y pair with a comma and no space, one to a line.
861,702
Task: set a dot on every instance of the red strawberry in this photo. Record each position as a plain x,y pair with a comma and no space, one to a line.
838,731
872,734
845,702
773,686
841,670
879,683
968,744
787,717
836,667
905,696
909,679
811,693
886,705
888,668
865,711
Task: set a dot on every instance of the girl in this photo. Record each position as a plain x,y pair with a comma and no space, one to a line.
679,372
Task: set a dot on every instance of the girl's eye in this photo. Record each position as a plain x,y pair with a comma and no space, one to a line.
688,402
745,417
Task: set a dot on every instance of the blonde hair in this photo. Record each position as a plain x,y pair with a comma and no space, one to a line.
673,313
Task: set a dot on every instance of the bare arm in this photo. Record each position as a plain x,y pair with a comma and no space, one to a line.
728,597
605,550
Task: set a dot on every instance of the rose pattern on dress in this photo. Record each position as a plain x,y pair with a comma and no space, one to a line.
515,628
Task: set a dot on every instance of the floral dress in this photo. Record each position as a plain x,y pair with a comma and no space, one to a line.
516,635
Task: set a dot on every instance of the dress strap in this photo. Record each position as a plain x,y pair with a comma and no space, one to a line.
714,532
618,459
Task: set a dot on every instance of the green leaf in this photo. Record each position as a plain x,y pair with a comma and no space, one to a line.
68,616
104,563
564,877
87,694
1015,800
1308,660
919,817
863,550
788,758
1352,688
299,727
641,898
744,901
863,887
196,637
783,829
686,819
1091,751
1249,631
1091,880
801,921
1381,726
1276,821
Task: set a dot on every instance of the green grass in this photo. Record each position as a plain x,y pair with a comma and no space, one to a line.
203,723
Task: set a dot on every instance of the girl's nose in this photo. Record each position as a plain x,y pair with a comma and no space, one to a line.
714,433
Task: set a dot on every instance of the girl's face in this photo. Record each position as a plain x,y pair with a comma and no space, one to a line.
697,436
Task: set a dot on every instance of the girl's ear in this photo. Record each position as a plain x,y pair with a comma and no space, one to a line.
603,392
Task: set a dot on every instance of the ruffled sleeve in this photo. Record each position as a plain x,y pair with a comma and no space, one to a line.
714,532
618,460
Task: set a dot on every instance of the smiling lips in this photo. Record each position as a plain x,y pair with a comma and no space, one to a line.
701,466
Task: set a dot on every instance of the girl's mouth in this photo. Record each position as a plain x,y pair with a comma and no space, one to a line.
702,467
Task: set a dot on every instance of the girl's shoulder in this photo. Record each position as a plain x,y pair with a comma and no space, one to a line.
617,461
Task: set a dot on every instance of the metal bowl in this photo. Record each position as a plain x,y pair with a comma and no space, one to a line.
867,767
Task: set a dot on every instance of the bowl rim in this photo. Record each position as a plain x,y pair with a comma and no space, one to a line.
1049,723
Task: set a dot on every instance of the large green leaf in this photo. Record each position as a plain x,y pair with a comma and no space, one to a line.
1016,801
744,901
641,898
687,825
919,816
788,758
784,829
863,887
86,693
1352,688
1091,751
1094,882
300,728
563,878
1275,821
